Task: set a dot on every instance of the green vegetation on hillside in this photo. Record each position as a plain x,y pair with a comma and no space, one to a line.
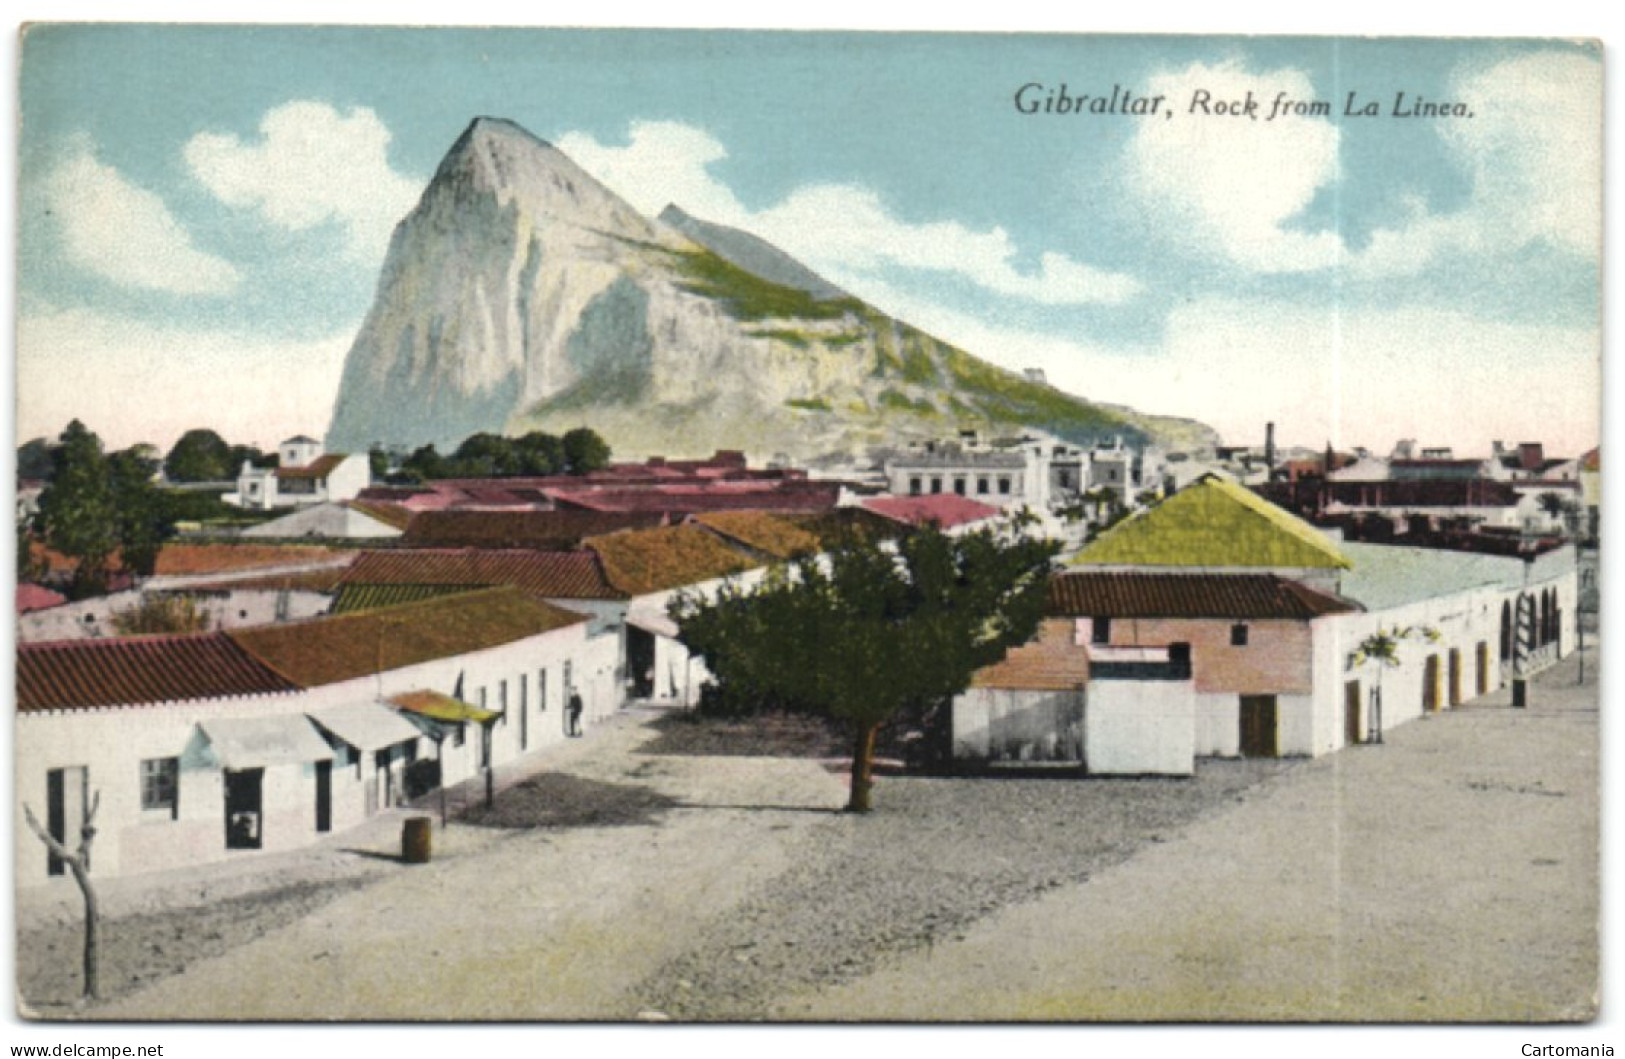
749,297
813,404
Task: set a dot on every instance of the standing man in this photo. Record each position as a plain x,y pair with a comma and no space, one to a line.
574,713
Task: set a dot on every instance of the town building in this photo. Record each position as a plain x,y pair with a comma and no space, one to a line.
304,476
1264,617
199,747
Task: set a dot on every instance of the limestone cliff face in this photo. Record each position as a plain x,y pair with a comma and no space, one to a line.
522,294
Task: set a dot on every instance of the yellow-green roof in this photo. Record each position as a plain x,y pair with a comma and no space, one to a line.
1214,523
438,707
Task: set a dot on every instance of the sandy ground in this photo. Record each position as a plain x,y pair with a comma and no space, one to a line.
1449,874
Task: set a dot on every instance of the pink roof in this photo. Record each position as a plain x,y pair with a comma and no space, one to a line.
947,510
37,597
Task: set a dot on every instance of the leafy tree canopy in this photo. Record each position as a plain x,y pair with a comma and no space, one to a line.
200,456
34,459
873,630
485,455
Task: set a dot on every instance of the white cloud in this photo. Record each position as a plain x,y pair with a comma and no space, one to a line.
132,381
312,165
837,229
1231,184
125,233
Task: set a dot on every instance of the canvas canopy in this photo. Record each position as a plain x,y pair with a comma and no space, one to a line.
366,725
437,707
256,742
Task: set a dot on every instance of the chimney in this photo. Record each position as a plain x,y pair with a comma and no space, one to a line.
1531,455
1269,446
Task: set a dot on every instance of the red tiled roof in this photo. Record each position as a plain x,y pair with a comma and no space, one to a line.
688,498
78,674
1591,461
178,559
321,468
560,575
544,530
334,649
1122,595
947,510
31,597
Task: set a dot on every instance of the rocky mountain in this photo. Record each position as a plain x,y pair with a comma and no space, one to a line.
522,294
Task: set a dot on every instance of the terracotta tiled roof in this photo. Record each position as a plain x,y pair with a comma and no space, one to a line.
373,597
545,530
655,560
139,669
790,495
320,468
946,510
325,580
178,559
334,649
560,575
848,525
1126,595
772,535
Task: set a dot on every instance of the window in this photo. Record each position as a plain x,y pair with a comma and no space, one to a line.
541,691
1101,631
1066,479
981,486
1238,635
936,485
160,784
1004,487
502,699
914,486
959,486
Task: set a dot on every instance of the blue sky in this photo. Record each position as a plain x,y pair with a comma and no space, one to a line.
204,210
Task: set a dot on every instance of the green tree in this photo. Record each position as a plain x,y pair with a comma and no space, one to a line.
874,631
34,460
585,451
78,513
157,613
200,456
540,453
144,521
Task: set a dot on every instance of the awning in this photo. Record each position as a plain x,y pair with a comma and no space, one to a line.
653,621
443,708
255,742
366,725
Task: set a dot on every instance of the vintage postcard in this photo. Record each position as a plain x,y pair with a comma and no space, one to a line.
544,525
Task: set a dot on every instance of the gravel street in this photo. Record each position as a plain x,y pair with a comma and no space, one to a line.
660,870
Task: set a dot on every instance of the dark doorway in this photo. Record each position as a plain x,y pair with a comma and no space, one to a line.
67,797
1455,676
243,810
640,660
1258,726
1430,684
324,796
1351,712
1483,684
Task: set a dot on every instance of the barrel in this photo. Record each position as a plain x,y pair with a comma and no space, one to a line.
415,840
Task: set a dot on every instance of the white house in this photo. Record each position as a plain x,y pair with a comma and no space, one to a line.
304,475
216,745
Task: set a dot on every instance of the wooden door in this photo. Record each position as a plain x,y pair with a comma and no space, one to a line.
243,808
1351,712
324,796
1483,684
1258,726
1430,684
67,799
1455,676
